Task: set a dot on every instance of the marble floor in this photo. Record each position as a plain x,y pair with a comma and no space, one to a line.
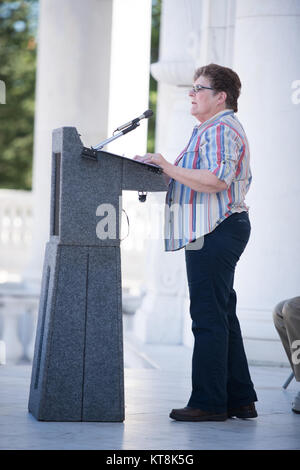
157,379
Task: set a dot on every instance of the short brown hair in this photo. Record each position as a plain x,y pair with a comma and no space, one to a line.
222,79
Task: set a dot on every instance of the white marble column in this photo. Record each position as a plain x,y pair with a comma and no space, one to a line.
73,66
92,73
266,56
193,33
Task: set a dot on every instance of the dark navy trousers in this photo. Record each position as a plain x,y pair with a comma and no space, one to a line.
220,374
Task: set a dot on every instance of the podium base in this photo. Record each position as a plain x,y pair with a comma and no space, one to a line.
77,372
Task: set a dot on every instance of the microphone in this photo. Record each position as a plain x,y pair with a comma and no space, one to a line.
145,115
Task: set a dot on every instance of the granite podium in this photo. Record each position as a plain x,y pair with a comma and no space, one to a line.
77,372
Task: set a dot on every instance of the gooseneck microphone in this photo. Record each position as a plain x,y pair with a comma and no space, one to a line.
124,129
145,115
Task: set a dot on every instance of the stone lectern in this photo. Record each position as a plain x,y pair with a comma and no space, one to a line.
77,372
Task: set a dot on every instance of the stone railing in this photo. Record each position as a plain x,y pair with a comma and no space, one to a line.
17,307
15,232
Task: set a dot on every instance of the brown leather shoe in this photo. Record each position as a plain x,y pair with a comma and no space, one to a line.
244,412
194,414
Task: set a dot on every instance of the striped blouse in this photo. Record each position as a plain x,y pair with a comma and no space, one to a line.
219,145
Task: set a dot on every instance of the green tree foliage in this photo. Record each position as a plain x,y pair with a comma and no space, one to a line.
156,9
17,71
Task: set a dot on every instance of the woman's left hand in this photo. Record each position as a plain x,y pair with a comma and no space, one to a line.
153,158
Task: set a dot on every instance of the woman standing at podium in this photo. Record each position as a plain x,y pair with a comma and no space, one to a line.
207,216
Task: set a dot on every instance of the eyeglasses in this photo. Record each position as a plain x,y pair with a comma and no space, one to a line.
197,88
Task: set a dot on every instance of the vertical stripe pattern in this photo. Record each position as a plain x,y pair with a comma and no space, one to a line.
219,145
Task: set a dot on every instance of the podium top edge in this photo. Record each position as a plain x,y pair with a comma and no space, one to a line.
130,159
